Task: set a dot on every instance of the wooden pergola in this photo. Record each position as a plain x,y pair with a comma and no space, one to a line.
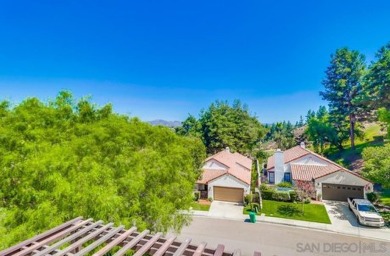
88,237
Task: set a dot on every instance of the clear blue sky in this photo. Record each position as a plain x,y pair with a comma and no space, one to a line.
165,59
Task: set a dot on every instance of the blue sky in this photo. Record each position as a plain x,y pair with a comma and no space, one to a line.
166,59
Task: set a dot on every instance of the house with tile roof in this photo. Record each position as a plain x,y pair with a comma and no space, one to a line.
226,177
320,177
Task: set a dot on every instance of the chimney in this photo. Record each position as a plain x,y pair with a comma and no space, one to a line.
279,166
303,145
227,149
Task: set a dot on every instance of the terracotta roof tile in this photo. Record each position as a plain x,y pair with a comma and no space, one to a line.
209,175
309,172
289,155
235,163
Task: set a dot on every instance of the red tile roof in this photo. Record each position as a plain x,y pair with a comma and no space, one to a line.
289,155
234,162
309,172
209,175
231,159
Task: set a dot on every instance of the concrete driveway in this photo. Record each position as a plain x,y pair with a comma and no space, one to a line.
219,209
340,215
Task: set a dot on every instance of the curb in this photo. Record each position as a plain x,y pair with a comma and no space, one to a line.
295,225
324,230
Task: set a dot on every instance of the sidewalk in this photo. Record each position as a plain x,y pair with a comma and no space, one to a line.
366,232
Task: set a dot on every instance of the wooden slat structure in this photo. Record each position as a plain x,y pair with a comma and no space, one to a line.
87,237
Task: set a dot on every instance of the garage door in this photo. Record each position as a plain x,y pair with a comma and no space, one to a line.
228,194
341,192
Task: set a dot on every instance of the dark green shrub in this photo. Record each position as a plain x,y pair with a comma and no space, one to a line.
196,195
285,184
307,200
281,196
267,194
294,196
248,199
263,187
372,197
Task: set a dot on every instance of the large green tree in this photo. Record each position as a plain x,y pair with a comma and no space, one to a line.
377,164
222,125
63,159
320,131
378,80
343,88
281,133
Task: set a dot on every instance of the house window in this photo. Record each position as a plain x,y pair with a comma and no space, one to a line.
287,177
271,177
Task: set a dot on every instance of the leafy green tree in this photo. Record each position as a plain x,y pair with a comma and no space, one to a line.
282,133
221,125
378,80
64,159
384,116
320,131
377,164
343,88
190,127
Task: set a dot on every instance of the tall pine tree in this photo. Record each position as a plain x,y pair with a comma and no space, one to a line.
343,86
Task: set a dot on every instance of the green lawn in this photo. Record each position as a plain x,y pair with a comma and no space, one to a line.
385,197
200,207
307,212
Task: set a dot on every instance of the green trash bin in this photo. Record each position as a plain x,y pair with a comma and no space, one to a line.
252,217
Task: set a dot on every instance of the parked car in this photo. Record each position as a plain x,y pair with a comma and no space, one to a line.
366,213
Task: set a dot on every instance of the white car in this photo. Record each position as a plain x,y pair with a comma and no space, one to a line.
366,213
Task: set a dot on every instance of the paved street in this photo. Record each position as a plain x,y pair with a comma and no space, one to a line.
274,239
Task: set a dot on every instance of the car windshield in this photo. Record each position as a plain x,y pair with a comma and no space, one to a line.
366,208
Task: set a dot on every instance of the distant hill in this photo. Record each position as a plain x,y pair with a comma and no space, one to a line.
171,124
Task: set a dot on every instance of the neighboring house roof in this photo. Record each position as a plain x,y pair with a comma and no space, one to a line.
309,172
231,159
103,239
234,163
289,155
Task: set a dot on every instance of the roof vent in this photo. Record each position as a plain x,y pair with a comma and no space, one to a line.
227,149
303,145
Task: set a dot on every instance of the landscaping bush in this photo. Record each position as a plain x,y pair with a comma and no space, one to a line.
372,197
267,194
248,199
289,210
307,200
294,196
264,187
281,196
210,199
196,195
285,184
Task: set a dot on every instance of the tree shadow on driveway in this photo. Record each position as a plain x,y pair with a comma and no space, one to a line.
340,214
